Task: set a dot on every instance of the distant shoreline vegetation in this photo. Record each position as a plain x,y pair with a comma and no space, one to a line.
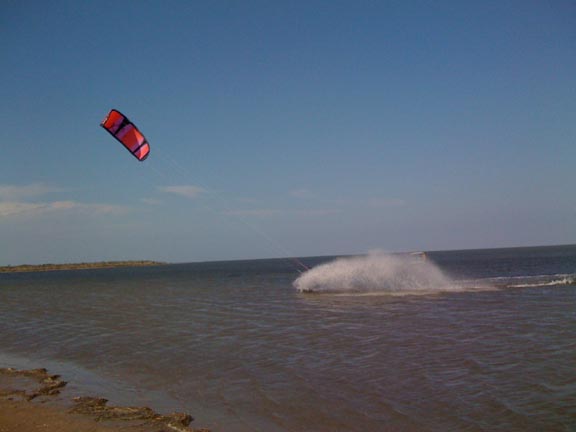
77,266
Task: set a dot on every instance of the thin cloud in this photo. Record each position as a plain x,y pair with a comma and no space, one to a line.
317,212
386,202
102,208
301,193
14,192
11,208
267,212
14,208
151,201
253,212
188,191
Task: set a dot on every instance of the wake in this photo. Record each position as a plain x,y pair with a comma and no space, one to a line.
376,272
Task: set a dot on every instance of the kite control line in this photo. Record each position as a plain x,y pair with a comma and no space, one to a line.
126,132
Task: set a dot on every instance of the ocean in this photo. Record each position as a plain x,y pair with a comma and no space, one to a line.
475,340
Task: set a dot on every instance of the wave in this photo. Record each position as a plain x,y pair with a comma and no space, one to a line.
523,281
376,272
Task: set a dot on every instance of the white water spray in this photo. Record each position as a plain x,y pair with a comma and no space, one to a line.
376,272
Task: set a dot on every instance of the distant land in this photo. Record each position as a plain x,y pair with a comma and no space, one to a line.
77,266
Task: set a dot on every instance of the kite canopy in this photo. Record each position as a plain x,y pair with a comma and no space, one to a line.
118,125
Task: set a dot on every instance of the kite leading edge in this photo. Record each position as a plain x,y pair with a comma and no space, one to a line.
118,125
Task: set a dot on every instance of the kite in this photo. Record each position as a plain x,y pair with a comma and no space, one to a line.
118,125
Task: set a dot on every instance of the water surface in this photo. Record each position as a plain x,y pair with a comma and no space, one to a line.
237,346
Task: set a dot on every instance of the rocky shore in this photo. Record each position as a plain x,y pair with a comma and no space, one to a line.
32,400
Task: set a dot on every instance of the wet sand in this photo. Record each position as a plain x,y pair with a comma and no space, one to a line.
34,400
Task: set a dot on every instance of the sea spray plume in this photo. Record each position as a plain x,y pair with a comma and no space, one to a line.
375,272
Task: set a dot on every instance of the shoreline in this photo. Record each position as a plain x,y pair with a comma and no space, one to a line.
28,268
33,399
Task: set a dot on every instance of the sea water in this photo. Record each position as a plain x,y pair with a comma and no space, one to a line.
479,340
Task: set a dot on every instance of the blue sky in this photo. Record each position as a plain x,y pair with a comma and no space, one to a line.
285,128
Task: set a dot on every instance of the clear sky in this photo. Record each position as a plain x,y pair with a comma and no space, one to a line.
285,127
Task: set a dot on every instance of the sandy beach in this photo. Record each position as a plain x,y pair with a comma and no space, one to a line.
23,416
34,400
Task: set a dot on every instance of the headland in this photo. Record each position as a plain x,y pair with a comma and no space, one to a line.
77,266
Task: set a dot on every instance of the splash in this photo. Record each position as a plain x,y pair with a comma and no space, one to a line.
376,272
